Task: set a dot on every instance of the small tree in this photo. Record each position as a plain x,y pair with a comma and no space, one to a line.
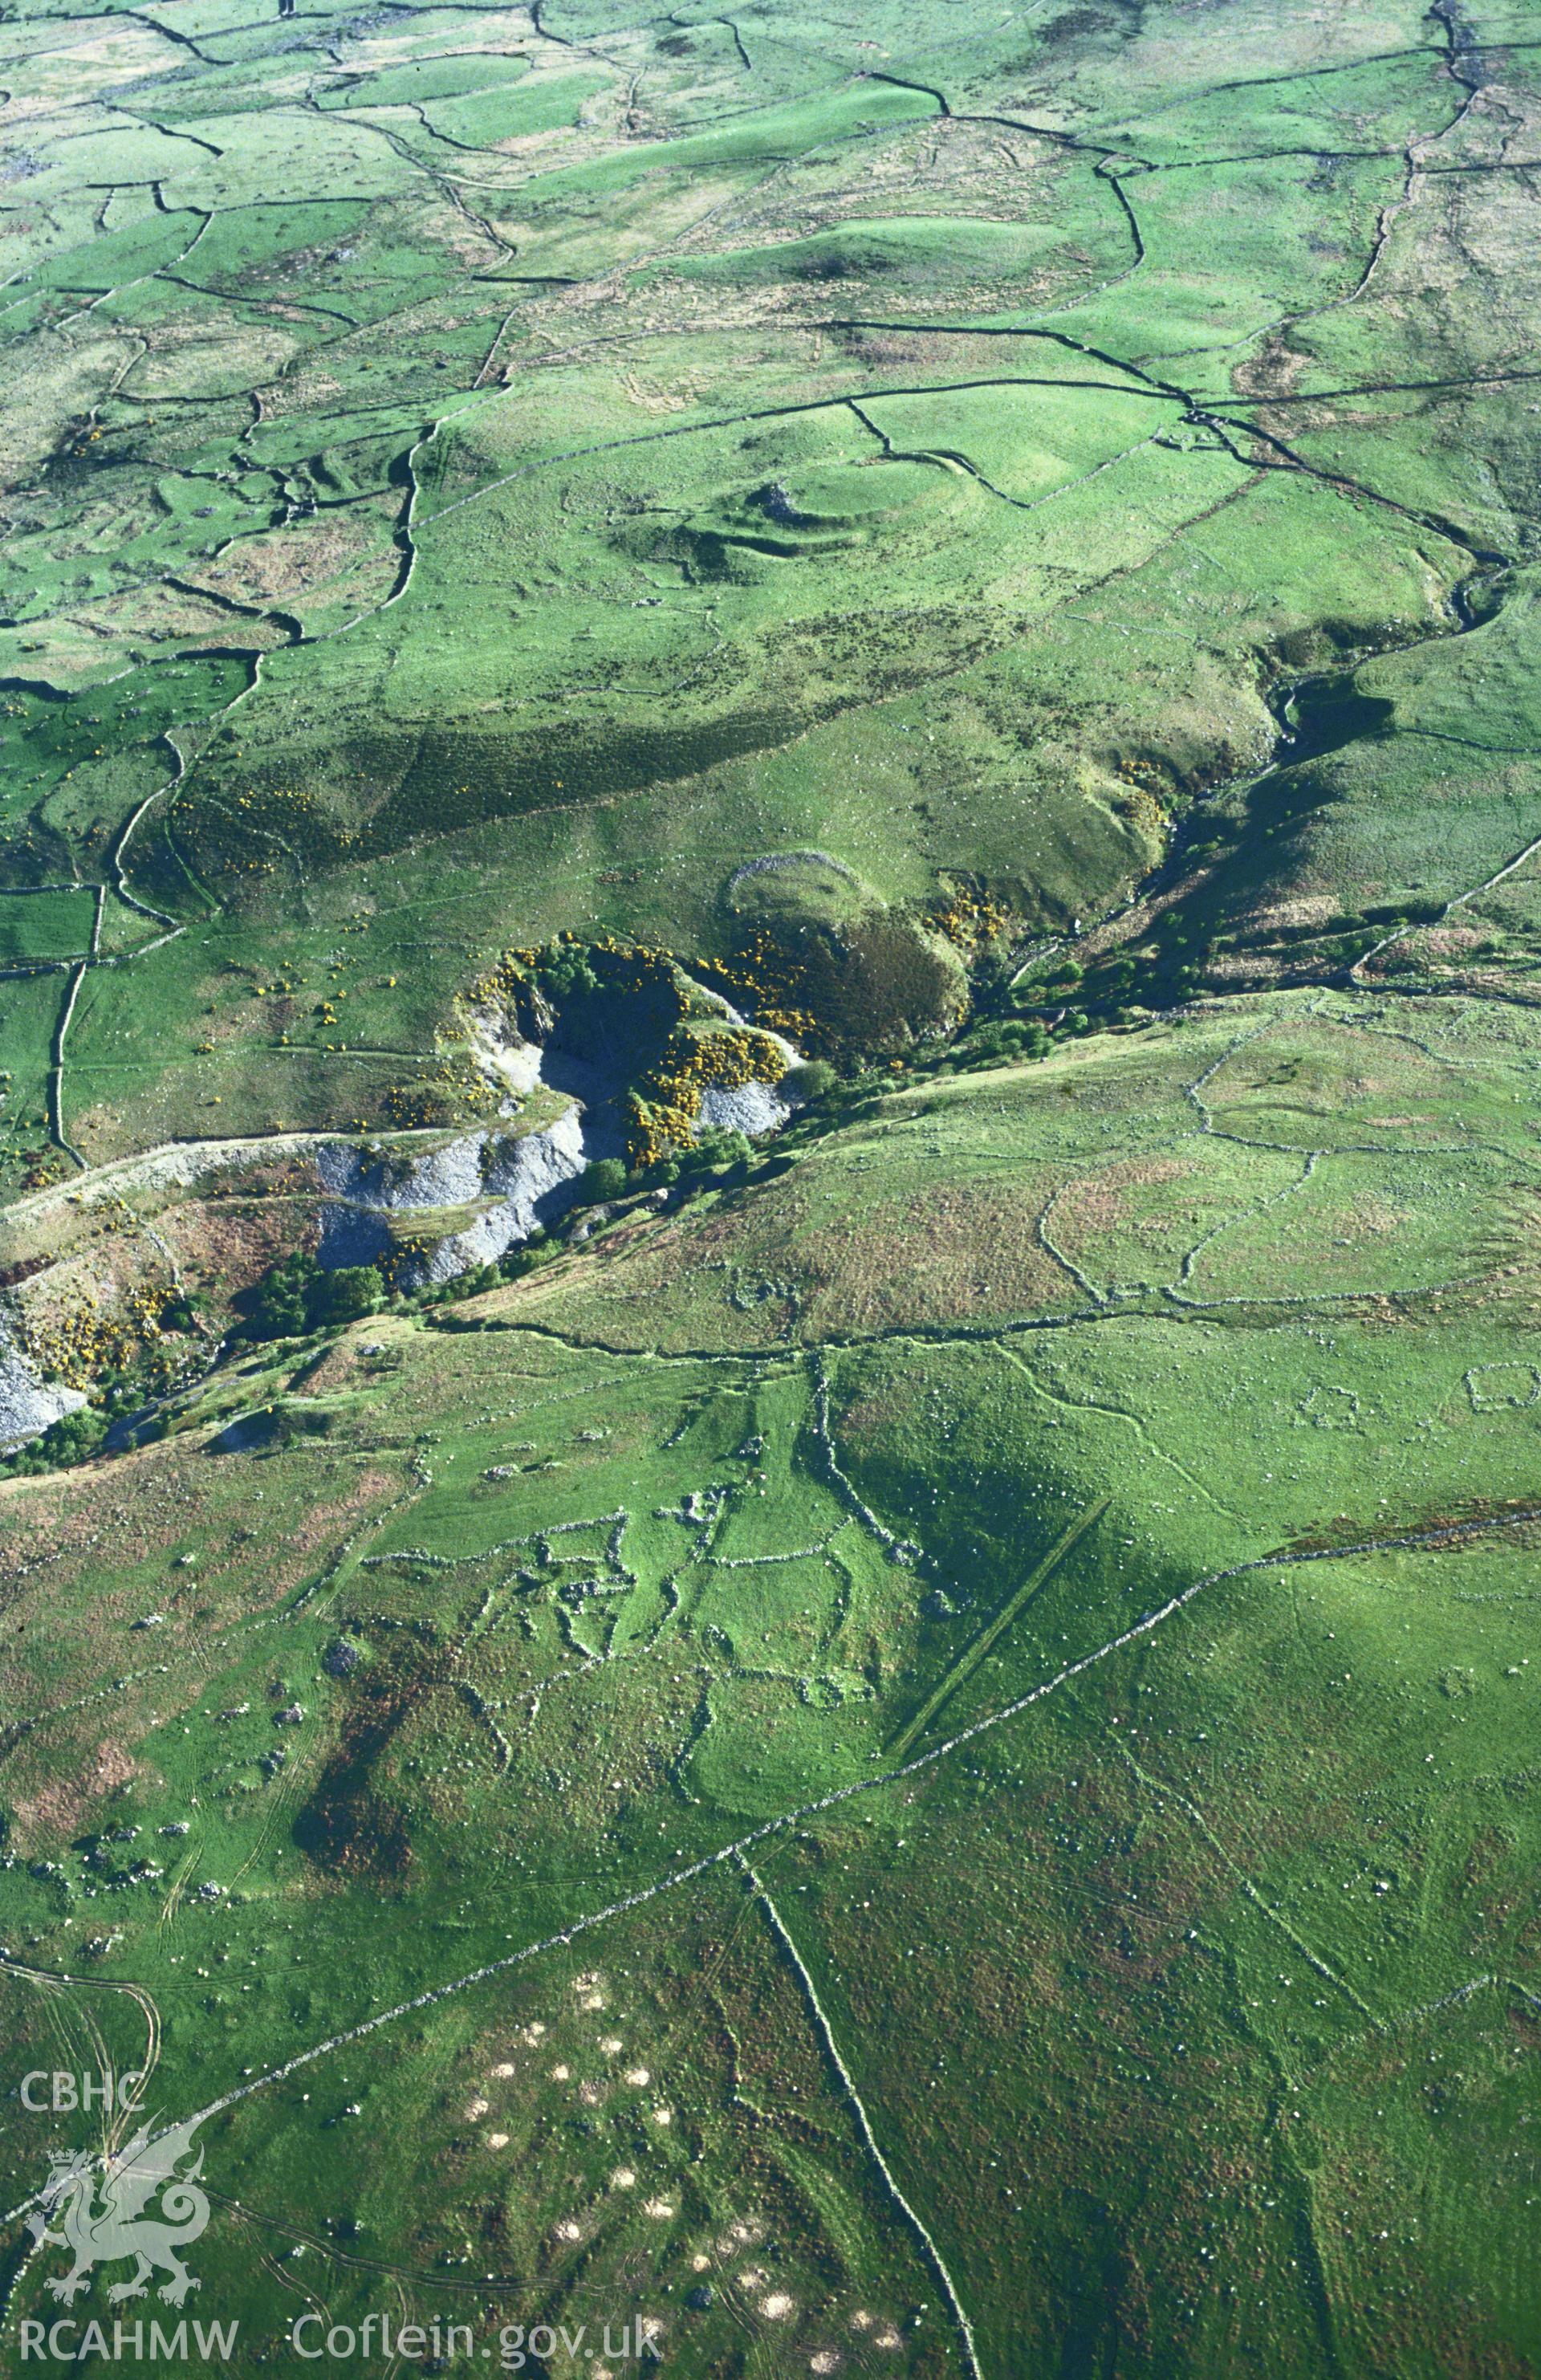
68,1440
811,1080
346,1295
605,1178
536,1251
297,1297
718,1149
1025,1037
278,1302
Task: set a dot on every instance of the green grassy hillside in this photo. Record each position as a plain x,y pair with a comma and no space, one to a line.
964,1701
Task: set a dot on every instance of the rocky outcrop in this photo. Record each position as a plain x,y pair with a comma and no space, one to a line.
752,1108
27,1404
518,1180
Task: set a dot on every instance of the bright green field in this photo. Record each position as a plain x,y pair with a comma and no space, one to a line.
1202,1837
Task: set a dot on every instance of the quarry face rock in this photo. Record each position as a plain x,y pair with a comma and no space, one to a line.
28,1404
520,1180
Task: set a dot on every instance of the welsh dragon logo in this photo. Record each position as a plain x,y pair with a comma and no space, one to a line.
99,2205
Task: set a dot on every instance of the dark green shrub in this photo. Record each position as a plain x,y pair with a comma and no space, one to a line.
716,1151
297,1296
345,1296
812,1080
69,1440
276,1304
605,1178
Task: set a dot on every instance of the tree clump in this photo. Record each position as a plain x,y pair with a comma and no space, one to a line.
297,1297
